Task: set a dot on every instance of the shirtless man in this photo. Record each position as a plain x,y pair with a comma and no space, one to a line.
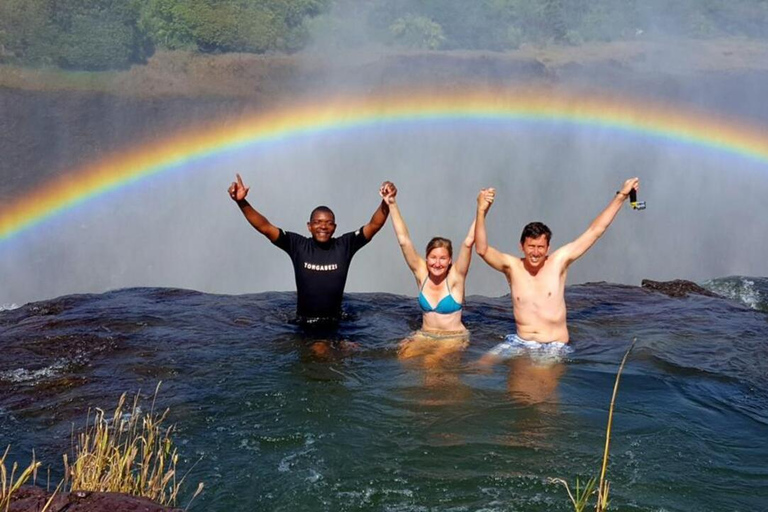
537,280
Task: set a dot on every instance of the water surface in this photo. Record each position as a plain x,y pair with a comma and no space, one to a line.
278,427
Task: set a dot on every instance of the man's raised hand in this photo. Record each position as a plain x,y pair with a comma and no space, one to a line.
630,184
388,191
237,190
485,199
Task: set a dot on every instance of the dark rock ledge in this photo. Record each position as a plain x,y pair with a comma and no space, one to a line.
677,288
33,499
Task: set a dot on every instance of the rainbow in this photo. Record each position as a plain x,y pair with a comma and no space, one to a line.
636,116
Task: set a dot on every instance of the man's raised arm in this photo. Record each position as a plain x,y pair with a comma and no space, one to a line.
581,245
238,191
494,258
382,212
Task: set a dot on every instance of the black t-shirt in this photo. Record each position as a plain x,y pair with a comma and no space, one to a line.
320,270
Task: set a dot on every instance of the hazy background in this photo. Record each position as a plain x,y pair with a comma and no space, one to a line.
182,230
706,209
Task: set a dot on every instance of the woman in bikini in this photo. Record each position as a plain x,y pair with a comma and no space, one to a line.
441,280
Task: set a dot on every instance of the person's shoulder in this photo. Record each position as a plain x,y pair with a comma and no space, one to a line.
509,259
349,235
560,250
295,235
515,263
560,255
352,240
289,238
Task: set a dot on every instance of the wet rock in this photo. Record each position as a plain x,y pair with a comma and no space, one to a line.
33,499
677,288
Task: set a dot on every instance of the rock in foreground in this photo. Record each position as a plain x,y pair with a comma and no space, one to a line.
33,499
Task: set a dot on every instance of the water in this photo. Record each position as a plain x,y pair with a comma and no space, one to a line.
277,427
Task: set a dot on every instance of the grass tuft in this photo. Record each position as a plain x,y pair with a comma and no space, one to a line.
11,483
580,499
128,452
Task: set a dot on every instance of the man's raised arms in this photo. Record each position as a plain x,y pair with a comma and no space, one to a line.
238,191
496,259
576,249
382,212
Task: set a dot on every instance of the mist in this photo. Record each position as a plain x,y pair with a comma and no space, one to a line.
705,215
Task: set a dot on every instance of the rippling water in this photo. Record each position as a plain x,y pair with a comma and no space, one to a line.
280,428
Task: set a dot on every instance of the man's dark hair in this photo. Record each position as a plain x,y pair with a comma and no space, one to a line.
535,230
321,209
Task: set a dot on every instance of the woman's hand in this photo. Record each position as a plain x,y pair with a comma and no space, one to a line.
388,191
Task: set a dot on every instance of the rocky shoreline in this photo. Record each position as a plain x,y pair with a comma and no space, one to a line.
33,499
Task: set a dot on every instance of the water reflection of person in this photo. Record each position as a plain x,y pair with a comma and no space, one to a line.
534,381
320,262
441,283
537,283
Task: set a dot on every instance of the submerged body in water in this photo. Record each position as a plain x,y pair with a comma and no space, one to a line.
280,428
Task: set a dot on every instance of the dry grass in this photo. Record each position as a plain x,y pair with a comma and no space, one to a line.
11,483
580,499
128,452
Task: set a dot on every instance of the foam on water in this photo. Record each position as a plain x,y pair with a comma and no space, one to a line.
23,375
9,307
749,291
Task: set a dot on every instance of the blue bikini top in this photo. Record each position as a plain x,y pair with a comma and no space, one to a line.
446,305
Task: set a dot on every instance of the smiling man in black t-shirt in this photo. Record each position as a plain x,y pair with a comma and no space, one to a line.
320,262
